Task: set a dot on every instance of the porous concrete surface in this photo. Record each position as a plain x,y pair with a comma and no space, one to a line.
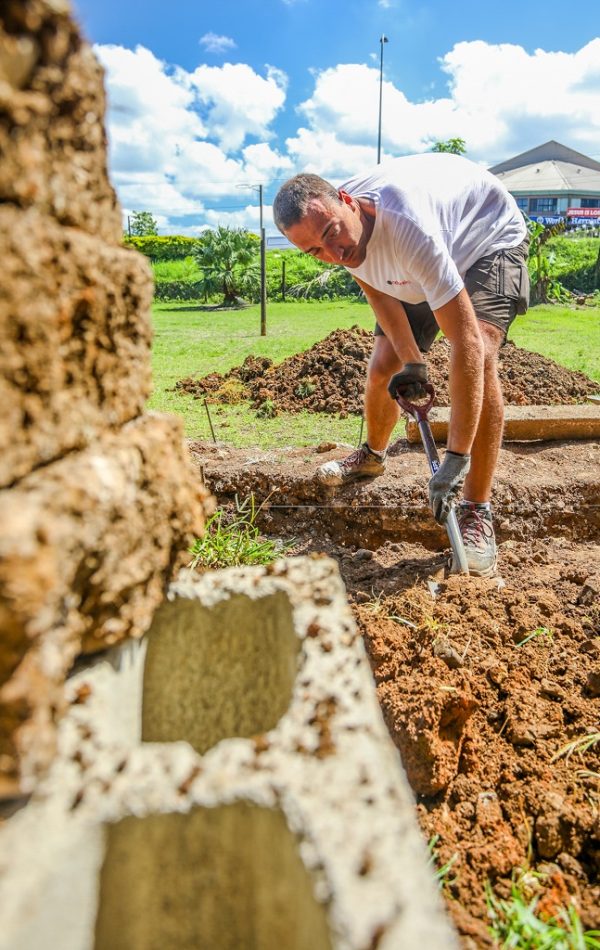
52,103
234,686
87,548
526,423
328,766
75,337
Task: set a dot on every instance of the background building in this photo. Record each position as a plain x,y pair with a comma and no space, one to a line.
552,182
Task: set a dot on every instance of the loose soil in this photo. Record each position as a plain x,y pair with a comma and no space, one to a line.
330,377
482,719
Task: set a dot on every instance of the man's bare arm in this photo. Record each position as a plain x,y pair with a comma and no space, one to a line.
459,324
391,317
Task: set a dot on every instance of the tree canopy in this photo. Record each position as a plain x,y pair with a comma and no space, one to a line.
455,146
142,224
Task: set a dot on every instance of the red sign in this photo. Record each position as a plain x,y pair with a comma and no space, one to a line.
583,212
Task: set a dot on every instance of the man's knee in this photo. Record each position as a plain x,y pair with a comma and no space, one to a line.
493,339
383,363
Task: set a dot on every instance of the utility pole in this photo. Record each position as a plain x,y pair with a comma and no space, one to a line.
263,261
263,268
382,39
283,279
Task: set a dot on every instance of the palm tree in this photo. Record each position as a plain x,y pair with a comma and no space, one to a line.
228,259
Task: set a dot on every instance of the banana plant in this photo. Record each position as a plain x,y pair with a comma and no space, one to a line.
545,288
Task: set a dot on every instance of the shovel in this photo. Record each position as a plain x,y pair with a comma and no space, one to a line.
419,414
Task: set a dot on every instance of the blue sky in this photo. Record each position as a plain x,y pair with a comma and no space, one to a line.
206,98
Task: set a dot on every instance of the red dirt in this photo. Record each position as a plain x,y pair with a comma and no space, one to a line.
480,718
330,376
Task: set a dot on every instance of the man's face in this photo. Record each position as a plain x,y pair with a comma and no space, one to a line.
331,231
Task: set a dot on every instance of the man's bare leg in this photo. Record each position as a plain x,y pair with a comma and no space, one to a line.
381,411
381,414
486,447
475,517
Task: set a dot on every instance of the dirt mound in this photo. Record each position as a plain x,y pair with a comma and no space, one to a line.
330,376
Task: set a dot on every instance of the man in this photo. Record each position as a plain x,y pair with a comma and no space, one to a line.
435,242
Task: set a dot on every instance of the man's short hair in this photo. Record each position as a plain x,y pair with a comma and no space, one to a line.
292,199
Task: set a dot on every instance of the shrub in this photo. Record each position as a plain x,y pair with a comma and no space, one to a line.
164,248
179,290
573,261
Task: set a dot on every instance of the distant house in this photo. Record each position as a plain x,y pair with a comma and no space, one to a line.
552,182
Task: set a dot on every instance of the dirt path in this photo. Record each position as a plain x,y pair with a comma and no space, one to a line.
481,718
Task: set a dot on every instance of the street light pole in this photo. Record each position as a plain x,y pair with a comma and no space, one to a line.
382,39
263,263
263,269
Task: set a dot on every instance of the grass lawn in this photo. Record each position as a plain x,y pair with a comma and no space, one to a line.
193,342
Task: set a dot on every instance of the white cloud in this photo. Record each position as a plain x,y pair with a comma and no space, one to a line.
324,153
239,103
501,100
248,217
149,110
162,156
147,192
263,163
182,142
514,99
213,43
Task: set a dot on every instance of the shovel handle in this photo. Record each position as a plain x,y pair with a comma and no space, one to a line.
419,413
456,543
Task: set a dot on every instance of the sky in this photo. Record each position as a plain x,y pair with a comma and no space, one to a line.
207,101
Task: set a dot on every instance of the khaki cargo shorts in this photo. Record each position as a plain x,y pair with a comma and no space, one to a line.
498,286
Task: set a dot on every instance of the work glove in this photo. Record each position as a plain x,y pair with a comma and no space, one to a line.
409,382
445,485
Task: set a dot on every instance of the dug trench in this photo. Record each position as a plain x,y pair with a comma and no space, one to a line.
489,688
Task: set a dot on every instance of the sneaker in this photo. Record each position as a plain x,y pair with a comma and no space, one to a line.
361,464
477,530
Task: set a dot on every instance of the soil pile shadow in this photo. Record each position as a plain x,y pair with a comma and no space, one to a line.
330,376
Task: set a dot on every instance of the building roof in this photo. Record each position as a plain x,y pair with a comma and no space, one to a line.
550,168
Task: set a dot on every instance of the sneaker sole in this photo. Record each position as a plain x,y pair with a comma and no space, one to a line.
486,572
347,480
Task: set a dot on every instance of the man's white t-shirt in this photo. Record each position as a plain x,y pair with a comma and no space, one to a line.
436,214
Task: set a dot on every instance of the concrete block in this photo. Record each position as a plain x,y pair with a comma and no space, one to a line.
526,423
75,337
52,105
87,548
300,835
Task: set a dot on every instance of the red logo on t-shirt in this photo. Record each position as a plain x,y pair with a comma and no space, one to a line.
398,283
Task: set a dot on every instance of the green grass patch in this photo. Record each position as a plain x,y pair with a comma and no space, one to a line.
234,540
567,335
440,870
516,923
192,341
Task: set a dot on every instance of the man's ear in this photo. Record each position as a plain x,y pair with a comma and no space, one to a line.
344,197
